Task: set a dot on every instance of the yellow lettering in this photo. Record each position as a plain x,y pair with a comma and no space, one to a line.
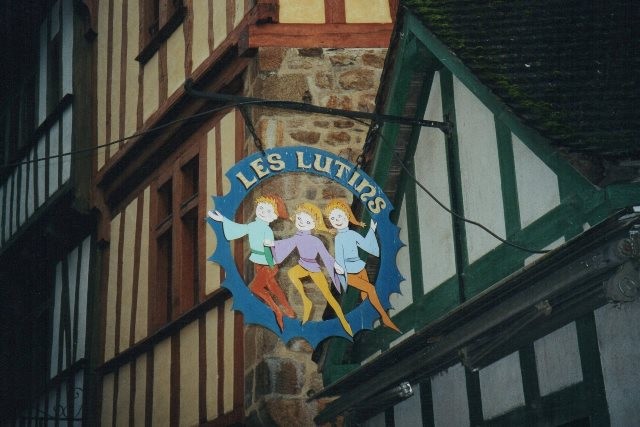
365,184
376,205
301,164
354,178
257,166
245,181
341,169
275,162
322,168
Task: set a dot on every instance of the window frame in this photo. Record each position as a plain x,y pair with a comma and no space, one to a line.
176,268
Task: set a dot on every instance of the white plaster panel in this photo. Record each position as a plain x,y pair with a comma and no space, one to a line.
42,73
558,360
501,386
150,99
229,351
14,201
239,12
449,397
479,170
67,46
140,396
101,80
83,282
618,338
55,335
72,275
108,388
31,196
54,159
307,12
200,39
2,209
66,143
538,190
211,326
55,19
143,272
116,75
132,69
175,60
23,194
42,169
219,14
367,11
161,384
436,231
6,209
409,411
402,300
123,394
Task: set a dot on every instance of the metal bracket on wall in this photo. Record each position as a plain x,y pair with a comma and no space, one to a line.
234,101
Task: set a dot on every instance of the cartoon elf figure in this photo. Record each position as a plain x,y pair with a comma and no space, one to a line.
308,218
264,284
347,258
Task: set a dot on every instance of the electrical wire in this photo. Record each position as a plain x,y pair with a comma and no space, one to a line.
277,104
126,138
411,175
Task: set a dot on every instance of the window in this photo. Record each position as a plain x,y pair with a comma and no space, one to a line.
177,258
160,18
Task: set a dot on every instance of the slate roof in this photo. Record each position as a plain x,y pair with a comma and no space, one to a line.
568,68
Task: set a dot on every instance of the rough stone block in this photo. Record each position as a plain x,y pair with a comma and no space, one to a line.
359,79
324,80
342,102
270,58
375,60
305,137
338,138
343,124
289,87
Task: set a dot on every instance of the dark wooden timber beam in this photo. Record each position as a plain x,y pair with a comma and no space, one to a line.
320,35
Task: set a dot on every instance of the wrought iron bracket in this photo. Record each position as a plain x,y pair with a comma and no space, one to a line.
234,100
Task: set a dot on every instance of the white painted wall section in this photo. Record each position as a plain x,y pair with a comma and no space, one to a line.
479,170
501,386
558,360
538,190
618,339
67,47
402,300
436,231
449,397
409,411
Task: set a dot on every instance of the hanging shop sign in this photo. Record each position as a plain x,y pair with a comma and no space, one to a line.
262,299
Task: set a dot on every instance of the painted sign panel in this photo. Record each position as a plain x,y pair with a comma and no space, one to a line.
262,299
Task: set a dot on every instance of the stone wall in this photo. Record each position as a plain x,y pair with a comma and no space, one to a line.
279,377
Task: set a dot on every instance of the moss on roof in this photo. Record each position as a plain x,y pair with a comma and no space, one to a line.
569,68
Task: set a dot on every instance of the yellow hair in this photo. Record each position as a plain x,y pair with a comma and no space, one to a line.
315,213
343,206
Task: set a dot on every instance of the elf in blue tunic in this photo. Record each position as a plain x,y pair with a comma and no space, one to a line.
264,284
349,266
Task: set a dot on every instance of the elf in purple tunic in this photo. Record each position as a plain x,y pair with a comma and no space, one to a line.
348,265
309,217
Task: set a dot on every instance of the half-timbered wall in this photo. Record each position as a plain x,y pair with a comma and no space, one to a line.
63,401
489,174
131,89
172,357
559,376
45,168
495,171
